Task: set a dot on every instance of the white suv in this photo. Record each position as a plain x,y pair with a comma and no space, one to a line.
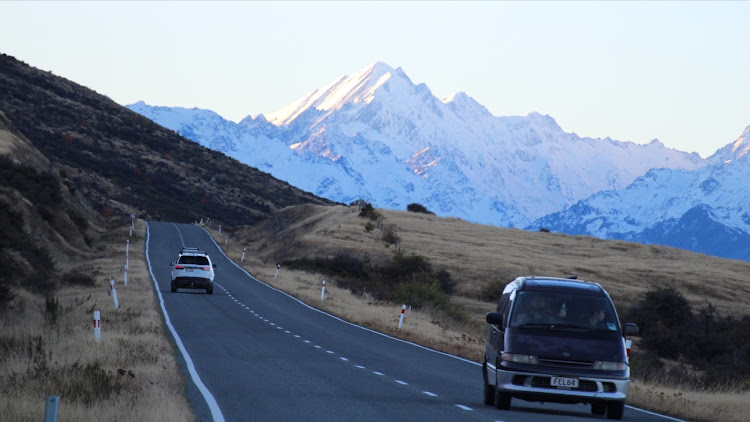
193,270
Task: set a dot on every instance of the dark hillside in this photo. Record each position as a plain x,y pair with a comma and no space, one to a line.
43,220
125,163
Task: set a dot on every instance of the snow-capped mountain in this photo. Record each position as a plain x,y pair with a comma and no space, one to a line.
376,135
704,210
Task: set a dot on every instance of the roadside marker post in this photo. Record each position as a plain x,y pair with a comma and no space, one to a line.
97,327
277,270
50,408
226,242
323,292
243,255
127,248
219,229
401,318
114,293
125,274
628,344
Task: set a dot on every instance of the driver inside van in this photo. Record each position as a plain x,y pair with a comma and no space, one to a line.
538,310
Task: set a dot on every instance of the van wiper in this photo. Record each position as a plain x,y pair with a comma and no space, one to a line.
557,326
565,326
536,325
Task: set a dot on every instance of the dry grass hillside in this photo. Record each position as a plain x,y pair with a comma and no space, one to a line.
478,256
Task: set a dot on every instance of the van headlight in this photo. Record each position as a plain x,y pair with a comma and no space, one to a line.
610,366
514,357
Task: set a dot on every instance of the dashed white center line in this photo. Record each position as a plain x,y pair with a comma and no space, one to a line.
427,393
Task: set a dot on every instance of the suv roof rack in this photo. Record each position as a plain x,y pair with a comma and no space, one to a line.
192,250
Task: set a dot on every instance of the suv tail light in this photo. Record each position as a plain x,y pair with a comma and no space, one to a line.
206,268
178,267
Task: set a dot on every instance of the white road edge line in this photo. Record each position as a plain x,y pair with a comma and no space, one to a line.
333,316
210,400
461,406
655,414
378,332
429,393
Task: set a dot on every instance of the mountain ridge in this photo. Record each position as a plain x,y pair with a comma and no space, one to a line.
383,116
376,135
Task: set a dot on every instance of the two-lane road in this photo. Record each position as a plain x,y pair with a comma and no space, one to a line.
256,353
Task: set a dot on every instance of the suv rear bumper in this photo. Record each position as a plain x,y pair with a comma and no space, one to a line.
192,283
536,387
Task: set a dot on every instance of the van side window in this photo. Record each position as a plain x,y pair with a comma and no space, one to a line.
503,306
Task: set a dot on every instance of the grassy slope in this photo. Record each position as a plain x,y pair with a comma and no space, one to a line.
476,255
132,374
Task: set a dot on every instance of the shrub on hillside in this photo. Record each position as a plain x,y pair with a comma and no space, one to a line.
368,211
717,347
390,235
418,208
78,278
405,278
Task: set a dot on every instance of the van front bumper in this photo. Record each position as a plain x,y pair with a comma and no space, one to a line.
537,387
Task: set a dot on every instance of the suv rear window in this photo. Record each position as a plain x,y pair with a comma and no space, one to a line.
193,260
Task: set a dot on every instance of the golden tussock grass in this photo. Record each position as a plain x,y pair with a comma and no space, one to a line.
132,374
477,255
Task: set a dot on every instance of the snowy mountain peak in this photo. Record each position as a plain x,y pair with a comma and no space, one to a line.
742,145
360,87
543,121
734,151
463,104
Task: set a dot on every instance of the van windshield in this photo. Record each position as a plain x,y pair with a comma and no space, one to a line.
548,309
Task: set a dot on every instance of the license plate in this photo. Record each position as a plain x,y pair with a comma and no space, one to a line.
564,382
189,270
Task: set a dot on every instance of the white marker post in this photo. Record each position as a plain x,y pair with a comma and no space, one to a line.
243,255
323,292
628,344
114,293
125,274
201,221
97,327
219,229
226,242
401,318
277,270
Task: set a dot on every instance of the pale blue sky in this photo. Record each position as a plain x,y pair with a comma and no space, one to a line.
633,71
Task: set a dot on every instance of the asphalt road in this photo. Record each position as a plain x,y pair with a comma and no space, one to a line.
254,353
